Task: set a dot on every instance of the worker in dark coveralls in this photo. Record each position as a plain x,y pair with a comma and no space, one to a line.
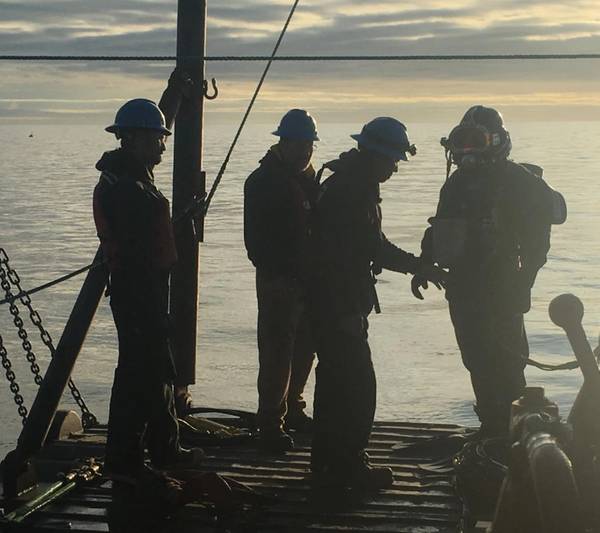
134,226
492,230
349,246
278,197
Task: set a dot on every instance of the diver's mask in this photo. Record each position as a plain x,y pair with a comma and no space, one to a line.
470,145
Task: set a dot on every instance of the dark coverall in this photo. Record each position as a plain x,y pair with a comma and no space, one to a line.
134,226
507,238
277,207
348,243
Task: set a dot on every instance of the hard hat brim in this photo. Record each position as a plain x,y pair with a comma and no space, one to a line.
396,155
310,137
114,128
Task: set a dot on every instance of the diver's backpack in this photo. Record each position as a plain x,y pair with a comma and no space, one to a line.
450,235
556,203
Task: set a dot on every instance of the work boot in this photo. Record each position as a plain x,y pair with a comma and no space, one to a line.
360,476
275,440
183,400
495,421
185,458
372,478
147,485
298,421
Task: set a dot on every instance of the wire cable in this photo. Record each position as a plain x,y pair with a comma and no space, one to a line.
424,57
50,283
215,184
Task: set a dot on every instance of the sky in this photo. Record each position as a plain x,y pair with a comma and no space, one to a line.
425,91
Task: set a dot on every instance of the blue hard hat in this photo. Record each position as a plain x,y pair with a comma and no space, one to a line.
139,114
297,124
387,136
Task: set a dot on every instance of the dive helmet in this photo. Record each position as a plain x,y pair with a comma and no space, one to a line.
139,114
297,125
387,136
480,137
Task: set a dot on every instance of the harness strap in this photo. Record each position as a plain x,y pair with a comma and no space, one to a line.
109,177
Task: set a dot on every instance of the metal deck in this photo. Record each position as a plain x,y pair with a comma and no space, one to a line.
420,501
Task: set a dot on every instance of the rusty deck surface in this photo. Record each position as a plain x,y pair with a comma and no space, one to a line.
421,500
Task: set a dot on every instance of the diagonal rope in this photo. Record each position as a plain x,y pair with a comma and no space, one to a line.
215,184
23,294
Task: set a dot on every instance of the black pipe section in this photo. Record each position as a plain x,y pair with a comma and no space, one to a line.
556,492
188,182
567,312
539,494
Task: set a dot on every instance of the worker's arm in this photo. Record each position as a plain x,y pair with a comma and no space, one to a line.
178,87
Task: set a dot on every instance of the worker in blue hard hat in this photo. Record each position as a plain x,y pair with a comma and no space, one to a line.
349,248
133,221
278,200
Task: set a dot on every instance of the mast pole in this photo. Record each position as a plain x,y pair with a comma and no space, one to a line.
188,181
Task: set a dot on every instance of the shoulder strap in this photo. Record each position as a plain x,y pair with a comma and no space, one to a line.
555,201
536,170
319,175
109,178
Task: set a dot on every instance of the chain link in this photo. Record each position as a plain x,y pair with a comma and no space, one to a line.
12,379
18,322
87,418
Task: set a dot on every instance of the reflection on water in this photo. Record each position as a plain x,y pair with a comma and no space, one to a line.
47,229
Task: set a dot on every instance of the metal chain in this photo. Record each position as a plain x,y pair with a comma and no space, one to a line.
6,271
12,379
18,322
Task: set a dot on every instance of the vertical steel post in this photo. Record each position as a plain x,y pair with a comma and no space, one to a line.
188,181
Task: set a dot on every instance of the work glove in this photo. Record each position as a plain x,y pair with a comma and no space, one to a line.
428,273
181,82
197,206
194,210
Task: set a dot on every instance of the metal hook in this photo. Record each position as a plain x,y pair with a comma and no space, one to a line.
215,89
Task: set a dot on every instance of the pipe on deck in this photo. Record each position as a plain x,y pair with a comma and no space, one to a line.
554,483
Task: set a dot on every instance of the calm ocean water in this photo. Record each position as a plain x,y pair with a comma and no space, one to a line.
47,229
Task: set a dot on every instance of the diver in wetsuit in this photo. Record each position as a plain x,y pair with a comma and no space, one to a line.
492,231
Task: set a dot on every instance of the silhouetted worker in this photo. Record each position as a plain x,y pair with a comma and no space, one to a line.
492,230
278,197
349,247
134,226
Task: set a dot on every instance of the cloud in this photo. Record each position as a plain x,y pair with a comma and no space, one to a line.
321,27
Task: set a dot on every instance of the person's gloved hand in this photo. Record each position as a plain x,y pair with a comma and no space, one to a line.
197,205
417,283
181,81
428,273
